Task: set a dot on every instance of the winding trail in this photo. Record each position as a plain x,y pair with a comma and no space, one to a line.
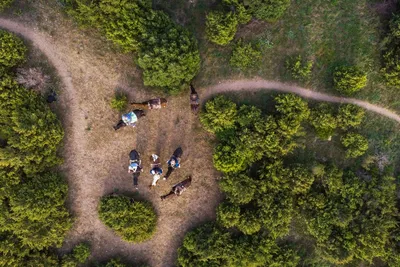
87,186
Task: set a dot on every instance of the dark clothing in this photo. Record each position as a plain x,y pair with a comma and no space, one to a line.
120,124
52,97
134,155
169,172
136,177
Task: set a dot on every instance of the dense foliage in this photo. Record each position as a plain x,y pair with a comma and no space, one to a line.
356,145
134,221
221,27
244,56
211,245
12,50
268,10
298,68
323,120
348,80
347,215
79,255
33,216
391,56
5,3
167,53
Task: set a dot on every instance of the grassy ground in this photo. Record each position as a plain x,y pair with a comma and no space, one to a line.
330,33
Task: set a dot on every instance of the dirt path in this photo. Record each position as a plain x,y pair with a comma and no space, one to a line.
96,156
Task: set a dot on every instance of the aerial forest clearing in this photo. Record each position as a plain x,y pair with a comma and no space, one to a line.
170,143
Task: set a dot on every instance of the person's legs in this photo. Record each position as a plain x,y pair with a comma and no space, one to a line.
167,195
155,179
136,179
170,170
120,124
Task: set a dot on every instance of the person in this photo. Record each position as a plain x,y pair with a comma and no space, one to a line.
135,167
173,163
194,99
52,97
156,169
130,119
179,188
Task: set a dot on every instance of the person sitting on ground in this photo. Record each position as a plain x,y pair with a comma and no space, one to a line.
156,172
179,188
130,119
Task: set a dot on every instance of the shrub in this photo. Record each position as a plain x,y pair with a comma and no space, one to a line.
5,3
323,121
81,252
228,215
350,116
298,68
348,80
268,10
241,12
220,114
134,222
38,214
239,188
356,145
12,50
244,56
391,69
221,27
119,102
169,56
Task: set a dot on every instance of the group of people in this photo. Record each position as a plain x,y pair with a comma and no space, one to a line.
135,168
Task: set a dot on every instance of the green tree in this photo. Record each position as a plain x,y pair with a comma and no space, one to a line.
12,49
239,188
268,10
244,56
220,114
228,215
221,27
5,3
38,217
356,145
350,116
298,68
349,79
169,56
323,121
135,221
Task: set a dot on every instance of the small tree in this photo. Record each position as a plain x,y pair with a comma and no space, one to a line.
350,116
221,27
299,69
268,10
356,145
119,102
348,80
228,215
220,114
134,222
12,49
323,121
244,56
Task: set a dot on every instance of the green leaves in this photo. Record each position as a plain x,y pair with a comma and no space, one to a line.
220,114
244,56
356,145
221,27
323,121
298,68
134,222
268,10
12,49
349,79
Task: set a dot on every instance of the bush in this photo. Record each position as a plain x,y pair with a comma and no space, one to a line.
356,145
348,80
220,114
244,56
298,68
350,116
241,12
5,3
221,27
167,53
323,121
228,215
119,102
268,10
12,50
134,222
169,56
391,57
81,252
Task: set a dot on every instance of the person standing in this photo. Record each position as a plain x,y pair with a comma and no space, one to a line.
135,167
174,162
156,169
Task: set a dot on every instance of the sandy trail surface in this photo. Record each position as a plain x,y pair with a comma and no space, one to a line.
96,157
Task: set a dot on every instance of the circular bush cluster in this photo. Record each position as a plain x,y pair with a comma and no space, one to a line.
348,80
12,50
135,221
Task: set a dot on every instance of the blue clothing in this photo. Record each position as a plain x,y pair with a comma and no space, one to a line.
130,118
156,170
176,165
